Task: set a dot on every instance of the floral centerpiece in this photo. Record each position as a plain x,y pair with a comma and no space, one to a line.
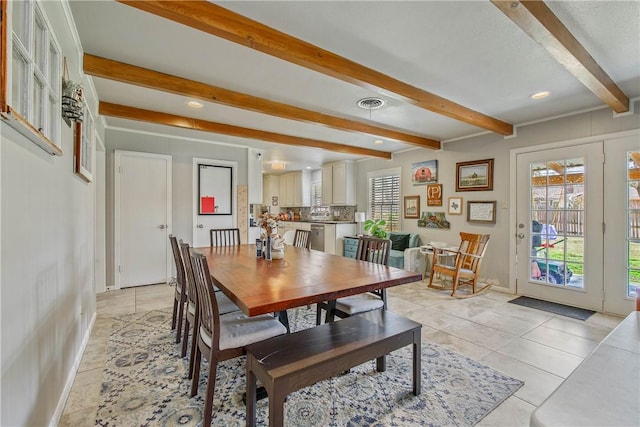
268,223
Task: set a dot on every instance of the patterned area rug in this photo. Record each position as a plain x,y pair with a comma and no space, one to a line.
145,384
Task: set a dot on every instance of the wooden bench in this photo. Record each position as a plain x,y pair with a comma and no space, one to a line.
288,363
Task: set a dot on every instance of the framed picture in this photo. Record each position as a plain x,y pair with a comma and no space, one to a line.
483,212
83,147
215,189
455,205
412,207
424,172
434,195
474,176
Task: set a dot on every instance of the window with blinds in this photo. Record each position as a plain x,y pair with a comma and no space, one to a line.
384,200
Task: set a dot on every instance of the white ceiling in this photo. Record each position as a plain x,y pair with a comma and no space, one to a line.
466,51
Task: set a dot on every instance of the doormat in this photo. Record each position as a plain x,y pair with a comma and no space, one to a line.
552,307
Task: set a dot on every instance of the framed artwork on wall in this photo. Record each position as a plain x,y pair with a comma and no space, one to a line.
481,212
84,146
412,207
434,195
474,176
455,205
423,173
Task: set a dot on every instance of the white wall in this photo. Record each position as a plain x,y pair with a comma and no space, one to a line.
182,152
495,267
47,290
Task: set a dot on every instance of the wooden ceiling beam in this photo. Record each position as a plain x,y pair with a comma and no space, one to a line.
538,21
231,26
131,74
138,114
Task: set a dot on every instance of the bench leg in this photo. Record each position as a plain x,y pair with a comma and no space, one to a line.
417,362
251,396
276,408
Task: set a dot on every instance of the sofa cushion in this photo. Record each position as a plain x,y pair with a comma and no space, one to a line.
414,240
396,258
399,242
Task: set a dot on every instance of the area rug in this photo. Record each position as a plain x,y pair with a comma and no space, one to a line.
145,384
552,307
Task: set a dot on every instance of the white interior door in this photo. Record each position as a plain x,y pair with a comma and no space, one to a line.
559,217
222,190
622,219
142,218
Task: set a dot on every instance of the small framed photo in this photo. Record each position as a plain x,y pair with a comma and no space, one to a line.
412,207
474,176
455,205
434,195
481,212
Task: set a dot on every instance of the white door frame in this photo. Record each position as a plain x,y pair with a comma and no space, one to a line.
116,229
195,202
513,230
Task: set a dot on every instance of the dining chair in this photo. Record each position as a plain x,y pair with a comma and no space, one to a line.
224,236
222,337
302,238
180,293
465,267
193,309
370,249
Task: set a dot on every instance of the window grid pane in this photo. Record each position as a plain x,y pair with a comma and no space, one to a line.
384,200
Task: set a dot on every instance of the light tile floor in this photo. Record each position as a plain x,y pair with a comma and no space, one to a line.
537,347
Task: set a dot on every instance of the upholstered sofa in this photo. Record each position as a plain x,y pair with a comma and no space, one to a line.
405,251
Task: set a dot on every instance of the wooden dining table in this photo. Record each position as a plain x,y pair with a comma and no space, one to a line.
302,277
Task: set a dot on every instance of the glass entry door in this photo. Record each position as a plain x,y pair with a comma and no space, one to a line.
559,225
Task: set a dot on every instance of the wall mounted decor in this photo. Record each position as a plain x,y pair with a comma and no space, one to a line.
482,212
424,172
215,189
433,220
84,147
412,207
434,195
474,176
455,206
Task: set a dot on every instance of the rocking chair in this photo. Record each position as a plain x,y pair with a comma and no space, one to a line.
466,265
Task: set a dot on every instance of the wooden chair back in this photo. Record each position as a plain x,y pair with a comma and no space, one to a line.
471,251
373,249
302,239
192,295
209,312
225,236
177,258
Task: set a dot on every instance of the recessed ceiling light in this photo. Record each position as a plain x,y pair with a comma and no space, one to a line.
540,95
378,142
193,104
308,167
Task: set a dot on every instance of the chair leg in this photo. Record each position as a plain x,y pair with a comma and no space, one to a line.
211,388
196,372
195,336
185,337
180,319
173,317
318,314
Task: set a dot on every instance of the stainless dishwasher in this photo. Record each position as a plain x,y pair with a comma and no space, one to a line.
317,237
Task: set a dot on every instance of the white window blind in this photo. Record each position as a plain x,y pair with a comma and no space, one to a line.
384,200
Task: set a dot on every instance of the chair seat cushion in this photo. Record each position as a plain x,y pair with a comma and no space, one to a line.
359,303
239,330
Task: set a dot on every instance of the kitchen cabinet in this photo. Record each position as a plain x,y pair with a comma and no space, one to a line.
295,189
339,184
271,189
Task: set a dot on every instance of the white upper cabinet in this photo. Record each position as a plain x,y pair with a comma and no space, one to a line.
271,189
295,189
339,184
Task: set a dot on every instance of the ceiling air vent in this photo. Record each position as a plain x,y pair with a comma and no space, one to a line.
371,103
